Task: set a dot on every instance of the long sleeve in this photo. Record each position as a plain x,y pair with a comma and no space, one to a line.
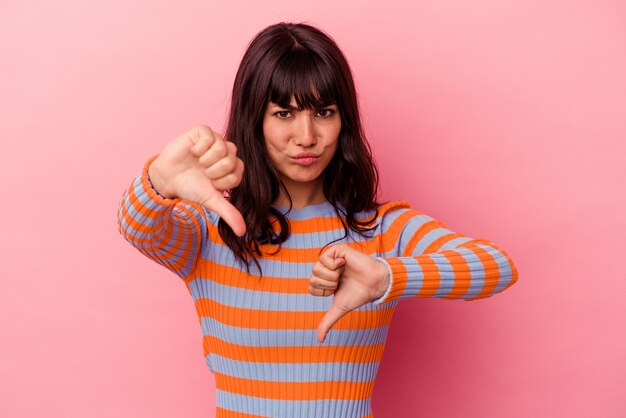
430,261
169,231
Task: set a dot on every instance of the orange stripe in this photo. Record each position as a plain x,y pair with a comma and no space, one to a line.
232,276
400,276
312,255
421,232
389,206
299,254
289,320
294,391
324,224
430,281
297,354
389,239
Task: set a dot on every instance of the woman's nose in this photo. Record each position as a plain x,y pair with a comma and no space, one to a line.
305,132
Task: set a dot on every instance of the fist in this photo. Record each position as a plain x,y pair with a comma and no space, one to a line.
353,277
199,166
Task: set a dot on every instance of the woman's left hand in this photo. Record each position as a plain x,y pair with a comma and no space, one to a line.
355,279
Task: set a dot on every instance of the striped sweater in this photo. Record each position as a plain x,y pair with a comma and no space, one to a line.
259,333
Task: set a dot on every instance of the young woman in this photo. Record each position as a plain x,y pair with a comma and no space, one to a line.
295,269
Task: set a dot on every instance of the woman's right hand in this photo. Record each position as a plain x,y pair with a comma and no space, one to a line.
198,166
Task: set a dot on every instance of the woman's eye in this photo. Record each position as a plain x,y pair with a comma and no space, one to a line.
326,113
282,114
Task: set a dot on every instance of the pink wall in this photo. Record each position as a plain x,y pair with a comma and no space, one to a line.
505,120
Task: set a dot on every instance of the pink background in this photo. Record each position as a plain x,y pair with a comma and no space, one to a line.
503,119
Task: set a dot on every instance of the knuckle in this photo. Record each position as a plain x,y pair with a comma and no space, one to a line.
316,270
201,130
222,150
204,159
229,164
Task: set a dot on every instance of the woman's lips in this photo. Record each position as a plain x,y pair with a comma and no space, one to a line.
305,161
305,158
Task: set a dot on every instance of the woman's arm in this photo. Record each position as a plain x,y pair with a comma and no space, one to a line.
169,231
428,260
418,257
191,172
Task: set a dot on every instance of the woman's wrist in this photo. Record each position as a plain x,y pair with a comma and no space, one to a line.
157,181
385,279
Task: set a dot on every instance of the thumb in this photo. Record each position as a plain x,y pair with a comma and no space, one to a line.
331,317
218,204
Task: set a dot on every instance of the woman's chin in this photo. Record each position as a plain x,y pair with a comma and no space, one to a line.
302,178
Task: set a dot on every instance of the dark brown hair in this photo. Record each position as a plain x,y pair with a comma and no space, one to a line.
288,60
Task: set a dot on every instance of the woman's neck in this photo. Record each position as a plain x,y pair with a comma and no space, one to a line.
302,194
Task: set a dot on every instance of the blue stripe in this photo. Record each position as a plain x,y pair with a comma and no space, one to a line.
323,210
235,297
410,227
282,408
415,277
294,372
251,337
453,244
223,256
431,236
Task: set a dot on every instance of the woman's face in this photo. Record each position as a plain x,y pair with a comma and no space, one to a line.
301,142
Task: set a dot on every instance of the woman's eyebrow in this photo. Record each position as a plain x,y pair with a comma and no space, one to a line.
290,107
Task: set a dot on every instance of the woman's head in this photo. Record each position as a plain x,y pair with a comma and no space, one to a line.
293,60
298,62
